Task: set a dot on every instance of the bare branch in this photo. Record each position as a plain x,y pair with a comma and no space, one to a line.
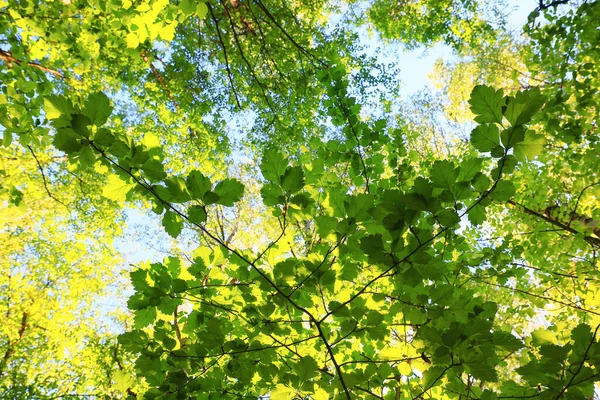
41,169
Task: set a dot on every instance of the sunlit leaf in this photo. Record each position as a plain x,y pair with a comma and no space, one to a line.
486,103
116,188
530,147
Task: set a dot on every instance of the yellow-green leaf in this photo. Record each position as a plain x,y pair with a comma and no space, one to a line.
123,381
116,188
201,10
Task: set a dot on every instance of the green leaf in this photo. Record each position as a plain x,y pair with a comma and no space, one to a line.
543,336
358,206
97,107
503,191
55,106
176,190
448,217
272,194
307,368
201,10
103,138
511,136
116,188
119,149
530,147
86,157
488,395
523,106
154,170
173,223
16,196
197,185
498,152
485,137
483,372
486,104
138,279
197,214
285,269
210,197
335,202
229,191
373,245
477,214
481,183
179,286
506,341
187,7
144,317
273,166
66,140
581,335
326,225
469,168
443,174
293,179
453,336
432,377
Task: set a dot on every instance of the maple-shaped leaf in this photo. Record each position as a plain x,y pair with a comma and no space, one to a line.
116,188
443,174
486,103
197,184
144,317
293,179
530,147
197,214
229,191
97,108
273,166
485,137
173,223
523,106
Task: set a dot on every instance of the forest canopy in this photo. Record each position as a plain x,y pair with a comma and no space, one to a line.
237,199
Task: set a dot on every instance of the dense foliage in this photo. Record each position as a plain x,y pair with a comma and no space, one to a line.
327,238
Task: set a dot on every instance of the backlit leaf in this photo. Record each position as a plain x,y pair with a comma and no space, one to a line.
116,188
530,147
229,191
97,108
486,103
523,106
273,166
173,223
485,137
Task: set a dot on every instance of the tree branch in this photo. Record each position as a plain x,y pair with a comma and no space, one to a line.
554,3
574,306
41,169
585,356
10,59
229,74
10,350
139,181
160,79
591,240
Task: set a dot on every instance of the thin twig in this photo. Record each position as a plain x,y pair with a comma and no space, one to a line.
41,169
229,74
